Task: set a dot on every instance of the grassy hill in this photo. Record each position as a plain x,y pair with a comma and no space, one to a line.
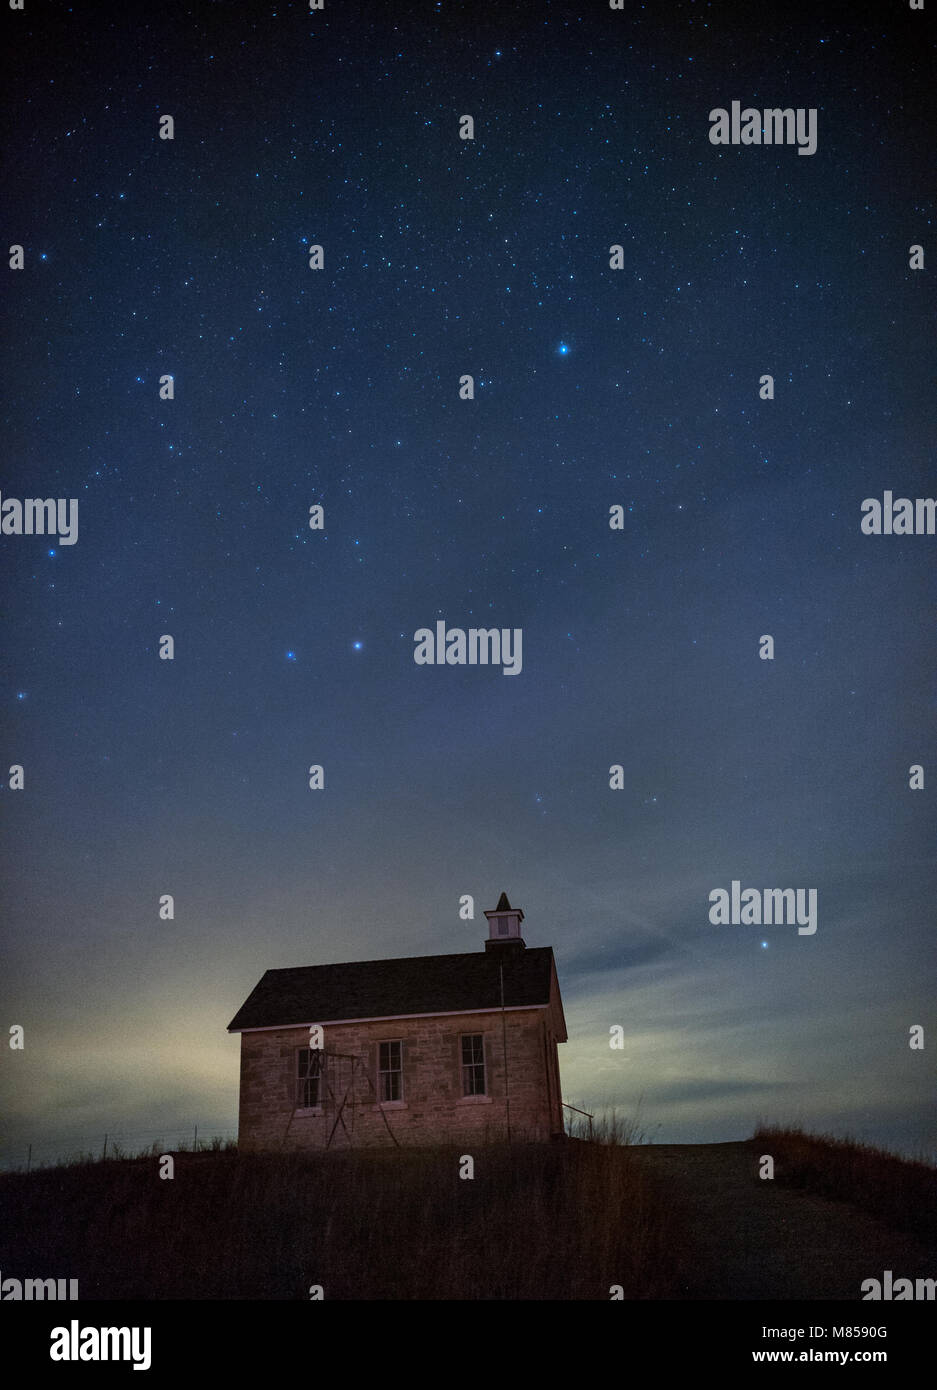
554,1221
557,1221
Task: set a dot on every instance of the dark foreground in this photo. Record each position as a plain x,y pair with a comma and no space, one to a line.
567,1221
758,1239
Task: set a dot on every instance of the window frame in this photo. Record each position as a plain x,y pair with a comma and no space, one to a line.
390,1071
473,1065
300,1081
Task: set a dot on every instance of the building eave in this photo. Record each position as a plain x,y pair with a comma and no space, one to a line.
387,1018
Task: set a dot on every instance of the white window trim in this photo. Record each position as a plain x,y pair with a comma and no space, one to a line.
300,1110
401,1101
477,1095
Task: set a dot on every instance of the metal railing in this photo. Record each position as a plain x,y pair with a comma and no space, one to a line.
589,1117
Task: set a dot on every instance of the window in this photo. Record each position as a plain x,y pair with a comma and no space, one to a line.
390,1071
473,1064
309,1078
503,926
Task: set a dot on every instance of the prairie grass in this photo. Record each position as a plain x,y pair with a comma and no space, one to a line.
900,1191
565,1220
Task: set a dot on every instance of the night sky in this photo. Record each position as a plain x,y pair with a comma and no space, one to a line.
339,387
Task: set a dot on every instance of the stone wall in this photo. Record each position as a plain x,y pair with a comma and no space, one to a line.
432,1109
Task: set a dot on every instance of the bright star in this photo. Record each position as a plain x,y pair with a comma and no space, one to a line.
563,349
291,656
357,646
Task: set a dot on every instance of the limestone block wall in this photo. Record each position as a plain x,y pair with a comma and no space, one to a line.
432,1108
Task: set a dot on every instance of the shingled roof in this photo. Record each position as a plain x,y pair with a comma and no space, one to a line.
396,988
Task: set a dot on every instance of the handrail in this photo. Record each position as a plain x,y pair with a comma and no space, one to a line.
589,1117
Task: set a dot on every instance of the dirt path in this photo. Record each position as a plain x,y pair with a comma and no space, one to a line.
754,1239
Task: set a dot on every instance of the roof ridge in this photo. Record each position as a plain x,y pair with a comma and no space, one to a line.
388,960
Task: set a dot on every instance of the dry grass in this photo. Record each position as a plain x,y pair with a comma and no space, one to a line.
898,1190
551,1221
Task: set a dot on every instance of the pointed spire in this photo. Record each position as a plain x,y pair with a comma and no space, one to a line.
503,904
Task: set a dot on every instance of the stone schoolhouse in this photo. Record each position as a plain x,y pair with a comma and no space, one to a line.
423,1050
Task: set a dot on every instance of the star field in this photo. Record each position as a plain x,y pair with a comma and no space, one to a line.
293,387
